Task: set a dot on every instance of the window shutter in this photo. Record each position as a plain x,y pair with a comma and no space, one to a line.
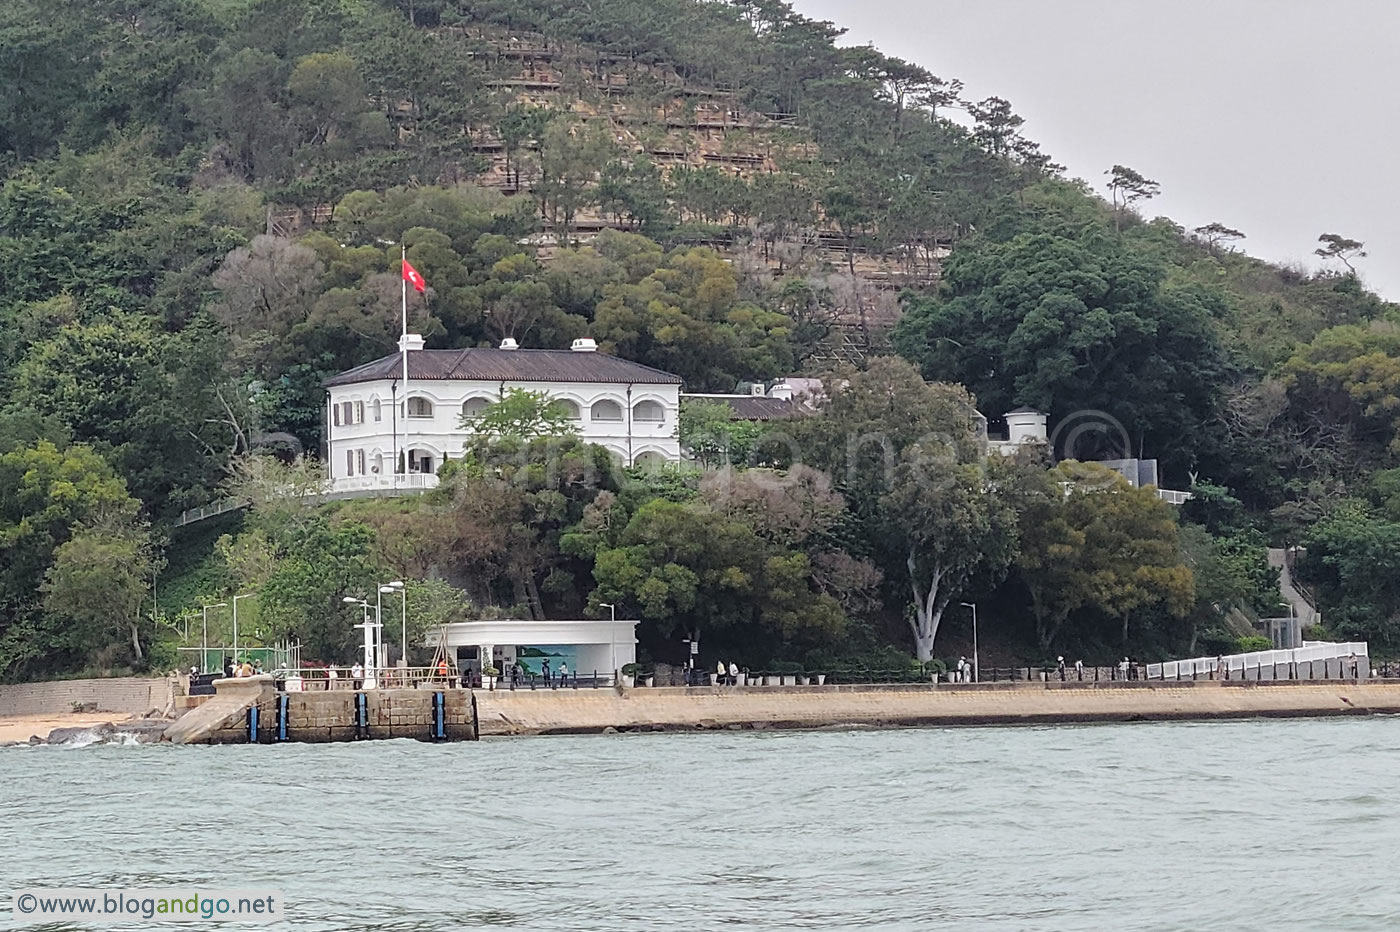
335,414
350,462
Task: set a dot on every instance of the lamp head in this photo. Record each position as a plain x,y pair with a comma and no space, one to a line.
396,584
350,600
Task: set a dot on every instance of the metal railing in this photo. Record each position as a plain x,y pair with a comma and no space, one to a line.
322,679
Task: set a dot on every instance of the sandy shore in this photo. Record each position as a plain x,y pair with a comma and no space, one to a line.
21,727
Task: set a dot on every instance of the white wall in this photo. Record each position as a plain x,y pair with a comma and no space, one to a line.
441,435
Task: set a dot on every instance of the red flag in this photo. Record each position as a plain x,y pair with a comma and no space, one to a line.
410,275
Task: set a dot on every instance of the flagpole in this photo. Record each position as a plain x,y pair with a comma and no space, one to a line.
403,349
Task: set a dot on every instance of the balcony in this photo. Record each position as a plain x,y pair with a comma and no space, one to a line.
354,486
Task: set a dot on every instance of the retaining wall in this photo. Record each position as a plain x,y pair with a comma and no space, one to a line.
131,695
502,712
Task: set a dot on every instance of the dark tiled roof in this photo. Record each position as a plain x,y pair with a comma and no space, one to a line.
497,365
755,408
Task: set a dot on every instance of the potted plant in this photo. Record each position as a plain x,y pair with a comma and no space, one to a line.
787,672
629,675
488,677
821,679
742,679
649,679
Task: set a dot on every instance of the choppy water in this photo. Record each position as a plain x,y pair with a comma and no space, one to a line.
1250,825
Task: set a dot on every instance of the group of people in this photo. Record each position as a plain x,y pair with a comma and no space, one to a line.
726,675
1127,670
232,669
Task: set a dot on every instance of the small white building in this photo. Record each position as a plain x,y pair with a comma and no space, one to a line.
587,646
630,409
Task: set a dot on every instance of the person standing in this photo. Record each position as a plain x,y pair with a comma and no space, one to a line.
563,673
1060,667
544,671
1123,669
733,673
357,675
1079,670
719,673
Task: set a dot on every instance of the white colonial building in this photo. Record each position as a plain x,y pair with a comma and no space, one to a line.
630,409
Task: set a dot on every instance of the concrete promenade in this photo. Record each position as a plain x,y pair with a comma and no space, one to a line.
570,711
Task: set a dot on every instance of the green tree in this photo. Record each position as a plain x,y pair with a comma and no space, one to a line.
1127,187
1335,246
47,496
906,456
1064,325
686,568
711,435
522,415
571,158
96,586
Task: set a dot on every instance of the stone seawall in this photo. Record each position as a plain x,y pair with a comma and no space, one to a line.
568,711
131,695
322,716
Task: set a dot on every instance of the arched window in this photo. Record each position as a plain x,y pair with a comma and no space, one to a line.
650,460
571,409
606,411
378,407
420,407
649,411
473,407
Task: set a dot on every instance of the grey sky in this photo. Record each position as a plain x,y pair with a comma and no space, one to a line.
1276,117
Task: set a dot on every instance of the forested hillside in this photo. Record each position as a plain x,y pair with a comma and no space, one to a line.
202,207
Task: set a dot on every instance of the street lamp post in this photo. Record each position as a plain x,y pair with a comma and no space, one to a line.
235,621
204,641
612,637
976,672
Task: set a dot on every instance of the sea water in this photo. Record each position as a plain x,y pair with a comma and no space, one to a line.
1223,825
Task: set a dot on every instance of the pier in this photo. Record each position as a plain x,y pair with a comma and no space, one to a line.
251,710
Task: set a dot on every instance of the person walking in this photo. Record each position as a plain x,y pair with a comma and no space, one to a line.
1079,670
1060,667
357,675
544,671
563,673
719,673
733,673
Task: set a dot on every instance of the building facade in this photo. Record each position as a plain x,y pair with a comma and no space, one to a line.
372,422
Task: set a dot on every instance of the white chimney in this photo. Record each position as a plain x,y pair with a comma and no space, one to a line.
781,390
585,345
509,343
411,342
